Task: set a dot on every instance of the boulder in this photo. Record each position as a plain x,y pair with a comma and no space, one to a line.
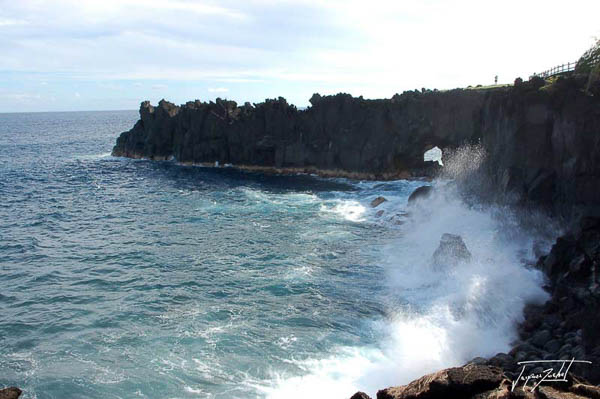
456,382
377,201
420,193
10,393
360,395
451,251
474,381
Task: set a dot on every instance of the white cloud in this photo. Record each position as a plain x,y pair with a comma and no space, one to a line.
218,90
292,47
20,97
11,22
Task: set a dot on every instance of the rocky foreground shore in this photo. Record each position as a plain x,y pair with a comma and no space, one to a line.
474,381
567,327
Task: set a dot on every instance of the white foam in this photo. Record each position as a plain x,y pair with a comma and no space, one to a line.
94,156
454,314
350,210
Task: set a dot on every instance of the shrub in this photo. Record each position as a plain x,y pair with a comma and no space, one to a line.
589,64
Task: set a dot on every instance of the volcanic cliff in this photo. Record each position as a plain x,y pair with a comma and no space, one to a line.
542,140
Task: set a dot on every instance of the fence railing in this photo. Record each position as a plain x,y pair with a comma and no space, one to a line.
557,70
564,68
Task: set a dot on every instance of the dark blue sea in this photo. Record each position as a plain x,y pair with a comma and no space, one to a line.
124,278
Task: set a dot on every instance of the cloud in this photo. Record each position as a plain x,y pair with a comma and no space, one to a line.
20,97
260,48
10,22
218,90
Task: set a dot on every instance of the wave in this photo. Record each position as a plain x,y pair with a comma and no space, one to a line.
436,318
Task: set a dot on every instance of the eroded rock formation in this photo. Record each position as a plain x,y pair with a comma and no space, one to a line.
543,141
341,134
451,251
474,381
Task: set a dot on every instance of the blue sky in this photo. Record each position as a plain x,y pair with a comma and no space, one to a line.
112,54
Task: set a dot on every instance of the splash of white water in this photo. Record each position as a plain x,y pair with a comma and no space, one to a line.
448,316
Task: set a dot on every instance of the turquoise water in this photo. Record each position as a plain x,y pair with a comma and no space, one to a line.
129,278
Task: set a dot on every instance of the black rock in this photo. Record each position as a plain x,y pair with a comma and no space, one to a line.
540,144
10,393
451,251
420,193
377,201
541,338
360,395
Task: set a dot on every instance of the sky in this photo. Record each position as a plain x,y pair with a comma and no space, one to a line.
66,55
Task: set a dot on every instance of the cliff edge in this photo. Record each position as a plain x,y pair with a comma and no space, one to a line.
542,139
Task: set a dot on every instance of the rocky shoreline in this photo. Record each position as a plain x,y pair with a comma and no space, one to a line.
566,327
538,137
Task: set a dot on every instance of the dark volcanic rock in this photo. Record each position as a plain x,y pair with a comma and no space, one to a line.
452,250
377,201
568,325
10,393
360,395
457,382
541,141
542,144
420,193
474,381
340,134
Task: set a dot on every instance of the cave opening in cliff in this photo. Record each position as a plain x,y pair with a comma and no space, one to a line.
433,154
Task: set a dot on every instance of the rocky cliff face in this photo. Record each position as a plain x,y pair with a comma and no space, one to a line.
543,142
369,138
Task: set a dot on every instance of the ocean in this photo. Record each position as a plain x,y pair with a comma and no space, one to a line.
128,278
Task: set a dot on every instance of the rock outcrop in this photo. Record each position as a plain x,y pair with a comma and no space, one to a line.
378,201
451,251
10,393
568,325
420,193
457,382
474,381
543,141
377,139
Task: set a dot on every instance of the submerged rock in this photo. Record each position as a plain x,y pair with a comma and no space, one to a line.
451,251
378,201
420,193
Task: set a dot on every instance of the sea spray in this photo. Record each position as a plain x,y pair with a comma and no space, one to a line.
437,317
